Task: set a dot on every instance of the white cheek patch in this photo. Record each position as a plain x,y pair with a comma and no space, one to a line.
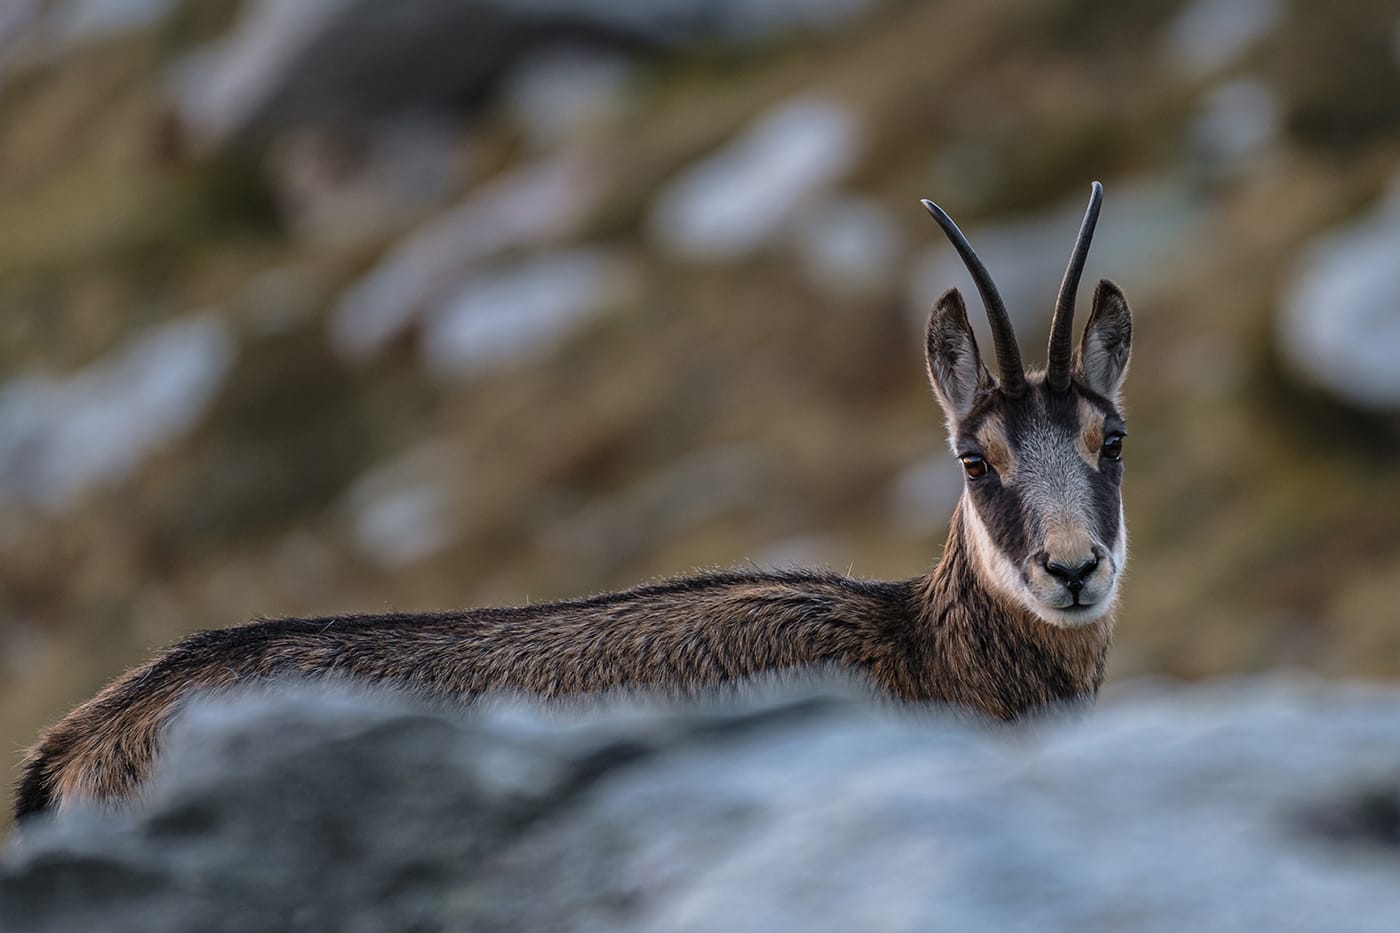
1120,557
997,570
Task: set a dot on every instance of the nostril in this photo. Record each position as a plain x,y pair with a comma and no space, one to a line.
1073,575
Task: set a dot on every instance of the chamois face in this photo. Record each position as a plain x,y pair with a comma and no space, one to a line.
1042,507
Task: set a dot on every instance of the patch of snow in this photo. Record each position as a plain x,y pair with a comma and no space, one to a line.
1237,124
923,495
558,91
218,88
849,246
1209,35
1339,325
75,21
1143,225
406,510
688,20
353,187
508,315
63,435
529,206
737,200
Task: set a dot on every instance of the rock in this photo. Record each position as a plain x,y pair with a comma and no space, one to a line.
1144,223
19,22
349,188
849,246
737,200
527,207
62,435
509,315
1209,35
682,496
1237,126
406,510
328,62
1236,807
923,495
1339,322
559,91
73,21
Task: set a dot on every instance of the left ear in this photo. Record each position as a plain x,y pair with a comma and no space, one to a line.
1102,360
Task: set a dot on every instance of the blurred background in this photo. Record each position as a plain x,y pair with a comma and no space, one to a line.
343,305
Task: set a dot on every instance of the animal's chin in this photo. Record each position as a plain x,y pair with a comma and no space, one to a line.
1073,616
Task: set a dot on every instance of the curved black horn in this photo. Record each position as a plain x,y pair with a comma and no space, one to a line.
1013,376
1062,325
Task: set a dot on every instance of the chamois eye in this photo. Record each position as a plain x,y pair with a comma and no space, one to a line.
1113,447
975,466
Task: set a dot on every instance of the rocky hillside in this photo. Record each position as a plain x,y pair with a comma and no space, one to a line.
337,306
1242,807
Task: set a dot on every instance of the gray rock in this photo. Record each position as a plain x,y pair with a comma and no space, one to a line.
73,21
923,494
504,317
406,510
345,189
20,22
560,91
849,246
1237,807
1339,323
332,62
1237,126
737,200
62,435
1145,222
531,206
1210,35
325,62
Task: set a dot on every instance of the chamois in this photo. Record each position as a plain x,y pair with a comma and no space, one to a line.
1016,615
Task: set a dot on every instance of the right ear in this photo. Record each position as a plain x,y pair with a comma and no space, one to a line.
1102,360
954,366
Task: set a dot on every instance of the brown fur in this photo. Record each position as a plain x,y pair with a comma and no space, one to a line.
946,637
942,637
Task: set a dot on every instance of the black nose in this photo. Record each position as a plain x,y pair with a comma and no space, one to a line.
1071,576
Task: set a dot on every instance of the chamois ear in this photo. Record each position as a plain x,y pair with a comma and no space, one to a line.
1102,360
954,366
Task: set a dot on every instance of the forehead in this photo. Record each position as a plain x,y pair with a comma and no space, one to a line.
1038,417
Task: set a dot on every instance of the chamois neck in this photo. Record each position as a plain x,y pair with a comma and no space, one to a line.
958,579
996,655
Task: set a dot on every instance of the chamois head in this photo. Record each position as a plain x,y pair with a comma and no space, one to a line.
1042,452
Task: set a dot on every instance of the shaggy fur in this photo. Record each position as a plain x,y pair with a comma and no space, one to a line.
1017,615
942,637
